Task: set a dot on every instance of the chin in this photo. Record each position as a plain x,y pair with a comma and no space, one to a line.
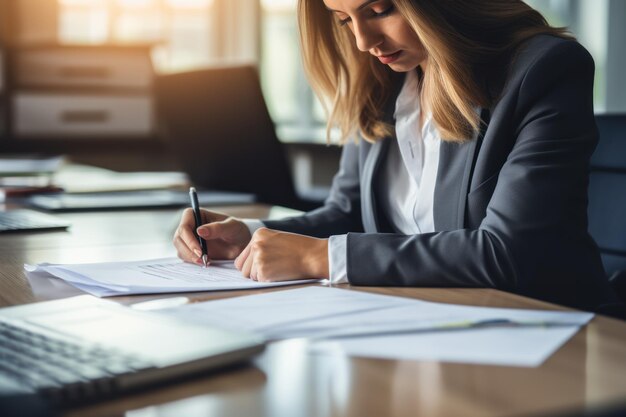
401,67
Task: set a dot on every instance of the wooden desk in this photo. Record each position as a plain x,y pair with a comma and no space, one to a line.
588,372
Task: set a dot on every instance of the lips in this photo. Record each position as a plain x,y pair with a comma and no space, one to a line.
389,58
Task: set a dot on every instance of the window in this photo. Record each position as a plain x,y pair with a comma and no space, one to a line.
181,29
291,101
599,26
279,46
195,33
596,24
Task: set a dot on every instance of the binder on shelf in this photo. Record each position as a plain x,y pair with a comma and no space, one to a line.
82,66
3,122
2,72
81,92
82,115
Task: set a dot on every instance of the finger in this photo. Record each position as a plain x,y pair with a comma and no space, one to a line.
187,219
240,260
253,271
216,237
206,216
189,239
208,231
185,253
209,216
186,230
247,264
247,267
217,230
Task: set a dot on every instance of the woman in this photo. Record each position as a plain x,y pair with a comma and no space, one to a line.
473,128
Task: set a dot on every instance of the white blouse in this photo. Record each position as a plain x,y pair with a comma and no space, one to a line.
407,190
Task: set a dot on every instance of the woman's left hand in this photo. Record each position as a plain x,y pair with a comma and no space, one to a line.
279,256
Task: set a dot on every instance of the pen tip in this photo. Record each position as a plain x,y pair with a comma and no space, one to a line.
205,260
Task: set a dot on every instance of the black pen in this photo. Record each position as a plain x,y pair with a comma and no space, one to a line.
193,196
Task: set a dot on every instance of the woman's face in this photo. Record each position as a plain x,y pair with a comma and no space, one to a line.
380,30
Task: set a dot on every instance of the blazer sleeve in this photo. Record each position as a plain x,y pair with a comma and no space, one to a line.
341,212
535,220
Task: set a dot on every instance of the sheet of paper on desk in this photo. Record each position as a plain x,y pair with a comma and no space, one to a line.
452,333
150,277
75,178
283,314
393,327
524,347
30,166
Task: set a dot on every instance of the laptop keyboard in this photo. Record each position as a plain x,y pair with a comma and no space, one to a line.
21,220
63,371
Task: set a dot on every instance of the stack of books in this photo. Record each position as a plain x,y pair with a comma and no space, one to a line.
21,176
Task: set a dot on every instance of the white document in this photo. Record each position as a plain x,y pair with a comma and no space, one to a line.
30,166
285,314
76,178
357,323
151,277
525,347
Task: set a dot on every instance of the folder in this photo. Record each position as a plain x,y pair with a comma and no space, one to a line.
133,200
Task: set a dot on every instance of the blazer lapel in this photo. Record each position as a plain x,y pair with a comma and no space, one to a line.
456,163
376,154
370,169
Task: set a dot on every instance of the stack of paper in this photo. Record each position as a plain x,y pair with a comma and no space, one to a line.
150,277
24,176
348,322
14,167
77,178
362,324
134,200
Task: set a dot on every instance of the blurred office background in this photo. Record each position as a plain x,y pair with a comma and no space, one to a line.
180,35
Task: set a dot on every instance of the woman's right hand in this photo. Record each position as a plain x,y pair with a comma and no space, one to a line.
225,236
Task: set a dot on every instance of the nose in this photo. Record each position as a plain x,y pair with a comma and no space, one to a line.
367,36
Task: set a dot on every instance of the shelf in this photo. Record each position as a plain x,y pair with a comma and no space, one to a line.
65,145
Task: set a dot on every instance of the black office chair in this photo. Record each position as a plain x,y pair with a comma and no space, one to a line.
607,202
218,126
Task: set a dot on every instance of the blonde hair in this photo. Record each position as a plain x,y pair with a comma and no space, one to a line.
469,44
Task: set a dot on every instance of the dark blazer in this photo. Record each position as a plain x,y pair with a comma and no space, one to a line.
510,207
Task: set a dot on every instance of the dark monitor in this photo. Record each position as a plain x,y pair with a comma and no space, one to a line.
218,125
